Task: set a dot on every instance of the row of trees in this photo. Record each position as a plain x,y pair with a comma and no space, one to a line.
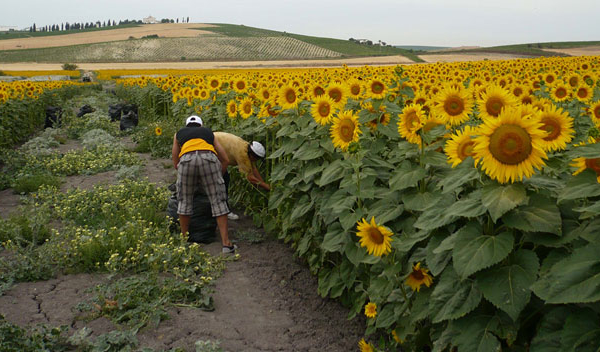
98,24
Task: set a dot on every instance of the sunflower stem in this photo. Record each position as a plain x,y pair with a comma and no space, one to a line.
357,173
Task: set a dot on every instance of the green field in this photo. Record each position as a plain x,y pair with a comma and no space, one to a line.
530,49
344,47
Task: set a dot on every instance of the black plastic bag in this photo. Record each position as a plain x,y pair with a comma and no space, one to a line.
114,111
128,121
86,109
202,224
53,116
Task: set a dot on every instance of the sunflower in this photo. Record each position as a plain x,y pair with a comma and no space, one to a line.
214,83
396,337
583,93
559,127
265,94
510,147
365,346
594,110
584,163
232,109
493,100
288,97
559,92
322,110
316,91
371,310
246,108
411,120
355,88
376,238
338,93
376,89
453,105
158,131
460,146
345,130
418,277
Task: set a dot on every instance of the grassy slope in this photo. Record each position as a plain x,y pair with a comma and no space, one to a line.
532,49
18,35
344,47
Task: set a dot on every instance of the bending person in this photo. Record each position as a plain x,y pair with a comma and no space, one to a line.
200,160
244,155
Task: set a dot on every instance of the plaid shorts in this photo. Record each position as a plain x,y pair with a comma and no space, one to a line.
200,168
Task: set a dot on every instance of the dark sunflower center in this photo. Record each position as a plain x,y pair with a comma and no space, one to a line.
214,83
573,81
240,85
412,120
465,149
347,130
582,93
593,164
266,95
454,106
494,105
417,275
377,87
355,89
324,109
290,96
319,91
517,91
597,112
561,93
420,101
510,144
336,95
375,236
232,107
549,78
552,127
526,100
247,108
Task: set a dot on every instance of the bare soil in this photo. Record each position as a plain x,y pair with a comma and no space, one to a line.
265,301
168,30
593,50
470,57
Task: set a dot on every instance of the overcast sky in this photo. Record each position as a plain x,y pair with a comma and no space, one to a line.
397,22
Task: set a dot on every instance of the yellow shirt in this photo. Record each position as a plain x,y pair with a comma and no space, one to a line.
237,151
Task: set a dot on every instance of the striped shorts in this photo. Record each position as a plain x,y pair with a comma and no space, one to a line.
200,168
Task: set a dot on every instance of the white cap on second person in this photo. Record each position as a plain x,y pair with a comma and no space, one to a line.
258,149
193,119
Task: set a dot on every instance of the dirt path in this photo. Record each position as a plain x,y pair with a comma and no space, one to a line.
265,301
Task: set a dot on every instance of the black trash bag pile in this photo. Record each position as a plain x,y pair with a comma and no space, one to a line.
53,116
129,119
86,109
202,224
114,111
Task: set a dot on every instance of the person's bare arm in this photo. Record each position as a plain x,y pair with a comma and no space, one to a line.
175,151
221,154
255,178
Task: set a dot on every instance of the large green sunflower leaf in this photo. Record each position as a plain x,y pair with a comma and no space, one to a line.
453,298
475,333
540,215
302,207
473,250
575,279
335,239
468,207
460,175
507,286
407,177
590,151
547,338
584,185
581,332
437,215
437,261
333,172
500,199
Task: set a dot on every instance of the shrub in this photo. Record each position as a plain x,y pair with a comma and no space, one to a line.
69,67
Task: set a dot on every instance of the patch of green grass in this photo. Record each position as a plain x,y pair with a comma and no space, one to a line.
32,182
531,49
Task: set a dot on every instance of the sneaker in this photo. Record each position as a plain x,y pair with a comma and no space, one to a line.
232,216
229,249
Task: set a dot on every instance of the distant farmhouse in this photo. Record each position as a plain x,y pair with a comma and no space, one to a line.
149,20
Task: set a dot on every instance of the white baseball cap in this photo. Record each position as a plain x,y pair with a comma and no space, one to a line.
193,119
257,149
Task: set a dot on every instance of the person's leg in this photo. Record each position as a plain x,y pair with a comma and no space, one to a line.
184,222
223,230
187,178
212,181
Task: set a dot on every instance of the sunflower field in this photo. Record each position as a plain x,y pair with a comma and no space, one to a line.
454,205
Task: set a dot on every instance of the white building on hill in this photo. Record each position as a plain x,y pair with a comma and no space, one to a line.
149,19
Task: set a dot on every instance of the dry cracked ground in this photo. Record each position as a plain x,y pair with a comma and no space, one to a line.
265,301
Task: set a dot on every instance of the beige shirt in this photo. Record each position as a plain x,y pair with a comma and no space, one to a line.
237,151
